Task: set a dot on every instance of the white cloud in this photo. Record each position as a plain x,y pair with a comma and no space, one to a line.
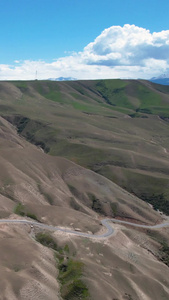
118,52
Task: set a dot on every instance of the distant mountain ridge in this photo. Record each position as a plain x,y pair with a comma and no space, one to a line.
162,79
62,79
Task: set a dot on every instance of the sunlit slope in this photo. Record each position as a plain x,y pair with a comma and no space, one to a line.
50,187
116,128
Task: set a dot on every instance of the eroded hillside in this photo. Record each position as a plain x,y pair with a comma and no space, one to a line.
56,188
116,128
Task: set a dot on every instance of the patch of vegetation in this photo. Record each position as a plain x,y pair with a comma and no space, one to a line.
96,204
166,119
21,210
137,115
70,277
144,110
32,216
162,112
164,248
114,208
41,145
48,198
82,107
151,189
79,195
21,123
7,191
46,240
70,270
147,97
54,96
22,85
37,133
150,101
66,248
76,290
73,190
114,93
31,138
80,90
74,204
79,97
17,268
158,201
165,253
81,154
32,130
48,89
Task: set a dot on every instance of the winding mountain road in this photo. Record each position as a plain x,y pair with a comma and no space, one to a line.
104,222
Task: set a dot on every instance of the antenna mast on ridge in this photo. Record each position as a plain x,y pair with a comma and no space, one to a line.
36,75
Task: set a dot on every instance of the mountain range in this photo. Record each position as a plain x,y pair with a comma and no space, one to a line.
62,79
162,79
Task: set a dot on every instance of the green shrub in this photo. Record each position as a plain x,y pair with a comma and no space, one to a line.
74,204
158,201
48,198
165,253
21,210
114,208
96,204
73,271
72,286
76,290
46,240
66,248
32,216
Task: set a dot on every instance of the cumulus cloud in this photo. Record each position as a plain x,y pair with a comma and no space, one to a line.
127,46
118,52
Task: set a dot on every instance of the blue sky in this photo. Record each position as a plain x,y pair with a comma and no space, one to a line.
34,34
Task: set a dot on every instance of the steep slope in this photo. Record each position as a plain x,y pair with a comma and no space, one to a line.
35,265
117,128
60,192
38,180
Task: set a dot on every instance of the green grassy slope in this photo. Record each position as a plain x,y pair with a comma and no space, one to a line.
118,128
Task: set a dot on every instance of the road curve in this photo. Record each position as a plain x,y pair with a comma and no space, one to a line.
104,222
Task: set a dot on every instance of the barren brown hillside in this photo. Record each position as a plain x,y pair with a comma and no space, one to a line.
77,190
116,128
